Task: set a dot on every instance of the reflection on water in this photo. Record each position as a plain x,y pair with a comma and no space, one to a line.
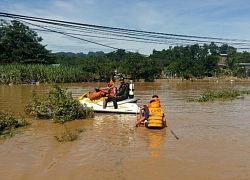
214,138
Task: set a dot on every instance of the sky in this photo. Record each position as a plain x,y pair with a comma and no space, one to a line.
227,19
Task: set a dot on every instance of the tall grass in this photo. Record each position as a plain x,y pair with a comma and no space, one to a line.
24,74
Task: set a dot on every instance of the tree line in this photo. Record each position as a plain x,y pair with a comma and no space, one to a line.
21,47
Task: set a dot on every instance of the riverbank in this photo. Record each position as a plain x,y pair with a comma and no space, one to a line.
206,79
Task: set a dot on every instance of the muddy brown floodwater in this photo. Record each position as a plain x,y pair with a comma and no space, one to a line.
214,138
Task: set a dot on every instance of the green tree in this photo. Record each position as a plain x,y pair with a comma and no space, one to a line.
209,65
117,55
101,66
231,62
20,44
225,49
163,58
132,65
243,57
214,49
138,67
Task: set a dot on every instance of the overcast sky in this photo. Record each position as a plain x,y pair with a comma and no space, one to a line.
210,18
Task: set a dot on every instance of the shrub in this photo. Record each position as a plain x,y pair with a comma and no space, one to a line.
8,124
58,105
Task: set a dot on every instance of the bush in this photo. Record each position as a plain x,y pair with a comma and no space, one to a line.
8,124
58,105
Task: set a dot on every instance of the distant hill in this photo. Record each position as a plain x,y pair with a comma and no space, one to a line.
90,53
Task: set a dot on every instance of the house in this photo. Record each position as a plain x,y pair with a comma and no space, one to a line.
222,61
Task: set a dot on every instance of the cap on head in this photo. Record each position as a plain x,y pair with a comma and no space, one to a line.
156,98
121,78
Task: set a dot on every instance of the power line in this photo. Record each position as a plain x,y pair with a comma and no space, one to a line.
69,28
110,28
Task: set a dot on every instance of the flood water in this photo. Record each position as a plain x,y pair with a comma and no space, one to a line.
214,138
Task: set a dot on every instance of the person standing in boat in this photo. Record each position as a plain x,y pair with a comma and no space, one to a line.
123,92
111,92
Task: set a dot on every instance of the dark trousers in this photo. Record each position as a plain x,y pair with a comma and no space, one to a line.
116,99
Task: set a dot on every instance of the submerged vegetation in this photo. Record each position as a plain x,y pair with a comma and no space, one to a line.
8,124
225,95
58,105
68,135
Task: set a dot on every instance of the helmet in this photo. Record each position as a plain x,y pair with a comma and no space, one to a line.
121,78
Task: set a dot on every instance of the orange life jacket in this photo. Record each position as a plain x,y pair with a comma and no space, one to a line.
112,92
112,89
154,104
156,114
156,99
96,95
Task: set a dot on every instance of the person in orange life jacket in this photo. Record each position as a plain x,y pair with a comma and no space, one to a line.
111,92
151,114
156,118
122,94
154,97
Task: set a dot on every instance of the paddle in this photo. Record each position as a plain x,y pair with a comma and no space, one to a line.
174,134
